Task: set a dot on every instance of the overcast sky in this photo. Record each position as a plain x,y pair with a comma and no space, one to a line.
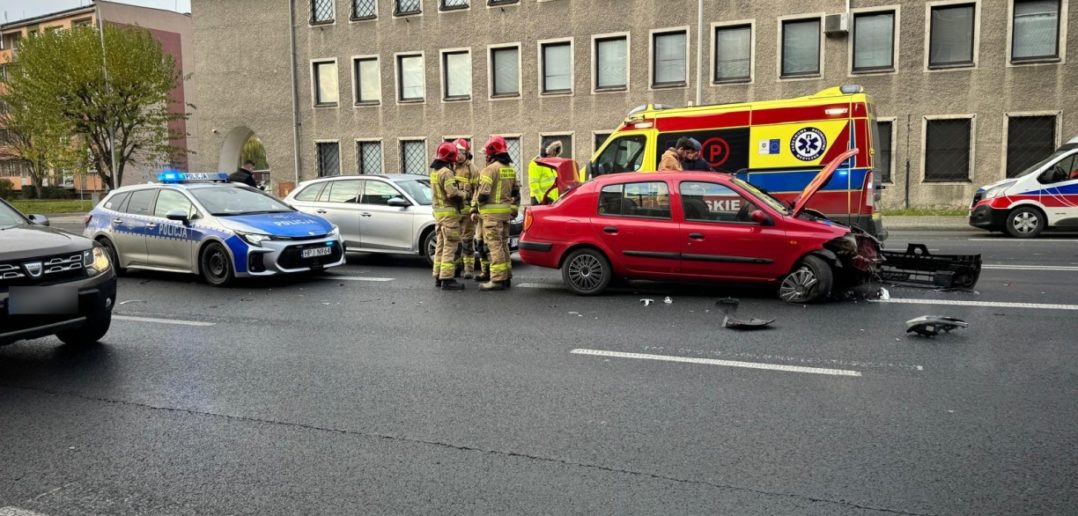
14,10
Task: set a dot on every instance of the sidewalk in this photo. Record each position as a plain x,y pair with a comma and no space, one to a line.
928,223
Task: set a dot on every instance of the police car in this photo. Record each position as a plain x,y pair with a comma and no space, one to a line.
200,224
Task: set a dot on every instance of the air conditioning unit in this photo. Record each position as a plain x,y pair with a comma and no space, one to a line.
836,24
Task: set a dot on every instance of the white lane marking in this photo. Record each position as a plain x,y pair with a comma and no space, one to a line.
178,322
724,363
358,278
1023,240
984,304
552,286
15,511
1054,268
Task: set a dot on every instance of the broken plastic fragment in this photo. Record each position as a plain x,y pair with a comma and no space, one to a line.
728,307
932,325
884,294
647,302
668,300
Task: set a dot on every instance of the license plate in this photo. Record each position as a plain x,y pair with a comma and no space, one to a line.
316,252
513,242
55,300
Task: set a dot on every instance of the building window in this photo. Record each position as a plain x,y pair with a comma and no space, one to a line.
668,58
322,11
369,156
515,152
505,65
457,75
874,41
611,63
557,67
800,48
329,159
947,150
413,157
1030,139
410,77
1036,30
368,81
566,143
885,133
325,83
449,5
407,7
951,35
733,53
364,9
600,139
84,22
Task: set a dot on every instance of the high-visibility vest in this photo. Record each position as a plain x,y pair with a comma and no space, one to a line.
541,180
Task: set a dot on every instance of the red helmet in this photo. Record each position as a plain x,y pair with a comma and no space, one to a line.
463,145
446,152
495,145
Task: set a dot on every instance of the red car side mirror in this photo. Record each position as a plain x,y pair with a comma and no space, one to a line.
760,217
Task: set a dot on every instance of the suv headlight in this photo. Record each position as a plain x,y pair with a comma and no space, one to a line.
96,261
255,239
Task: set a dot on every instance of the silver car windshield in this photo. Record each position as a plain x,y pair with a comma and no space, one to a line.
9,218
231,200
418,189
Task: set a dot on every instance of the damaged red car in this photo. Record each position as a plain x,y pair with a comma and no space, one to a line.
697,226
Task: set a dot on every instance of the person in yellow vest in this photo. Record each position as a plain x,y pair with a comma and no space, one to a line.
541,180
467,180
495,203
686,149
447,201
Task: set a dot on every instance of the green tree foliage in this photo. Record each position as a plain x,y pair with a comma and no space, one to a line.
42,140
254,151
60,76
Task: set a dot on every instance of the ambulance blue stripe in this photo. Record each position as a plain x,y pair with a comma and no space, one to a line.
1071,189
797,180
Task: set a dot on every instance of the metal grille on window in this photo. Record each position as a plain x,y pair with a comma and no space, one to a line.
370,157
408,7
1030,139
515,154
413,157
321,11
454,4
947,150
883,158
329,159
364,9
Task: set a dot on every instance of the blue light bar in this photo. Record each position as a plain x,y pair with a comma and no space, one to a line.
177,177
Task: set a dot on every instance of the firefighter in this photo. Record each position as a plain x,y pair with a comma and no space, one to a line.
467,178
541,179
447,202
686,149
494,203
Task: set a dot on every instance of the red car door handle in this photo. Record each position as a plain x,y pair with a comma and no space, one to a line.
696,236
611,229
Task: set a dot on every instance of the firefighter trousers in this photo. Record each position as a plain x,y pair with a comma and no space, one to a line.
496,239
466,253
448,240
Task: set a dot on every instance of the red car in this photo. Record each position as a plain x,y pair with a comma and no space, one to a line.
692,226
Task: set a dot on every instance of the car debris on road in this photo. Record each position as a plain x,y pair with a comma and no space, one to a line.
932,325
728,307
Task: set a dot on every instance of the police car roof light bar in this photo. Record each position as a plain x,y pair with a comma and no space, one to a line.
177,177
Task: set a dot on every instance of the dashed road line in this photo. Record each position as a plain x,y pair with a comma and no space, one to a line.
1052,268
977,304
358,278
178,322
15,511
715,362
548,286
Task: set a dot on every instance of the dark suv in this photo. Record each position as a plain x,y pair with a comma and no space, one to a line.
51,282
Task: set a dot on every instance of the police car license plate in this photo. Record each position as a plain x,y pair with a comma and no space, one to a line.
315,252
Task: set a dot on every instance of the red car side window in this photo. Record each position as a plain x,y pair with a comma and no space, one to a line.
646,199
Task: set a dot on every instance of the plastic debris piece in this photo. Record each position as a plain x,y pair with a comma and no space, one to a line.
884,294
131,301
668,300
932,325
728,307
647,302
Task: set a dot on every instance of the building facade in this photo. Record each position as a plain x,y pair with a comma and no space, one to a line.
967,91
171,29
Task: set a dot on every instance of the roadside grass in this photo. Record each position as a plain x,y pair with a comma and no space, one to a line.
927,212
51,206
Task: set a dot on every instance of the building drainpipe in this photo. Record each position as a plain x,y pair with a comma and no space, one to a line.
699,51
295,100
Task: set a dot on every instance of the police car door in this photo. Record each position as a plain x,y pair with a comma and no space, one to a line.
170,244
129,228
1059,195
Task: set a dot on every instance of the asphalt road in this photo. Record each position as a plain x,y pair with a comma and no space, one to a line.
367,391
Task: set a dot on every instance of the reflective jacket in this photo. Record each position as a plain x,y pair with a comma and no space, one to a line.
446,198
467,177
500,191
540,180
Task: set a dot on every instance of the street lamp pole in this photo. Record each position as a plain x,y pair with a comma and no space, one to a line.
108,85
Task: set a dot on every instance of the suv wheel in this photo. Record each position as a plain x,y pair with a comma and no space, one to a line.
586,272
97,325
811,281
1025,222
216,265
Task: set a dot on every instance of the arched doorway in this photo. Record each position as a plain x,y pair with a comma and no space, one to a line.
232,148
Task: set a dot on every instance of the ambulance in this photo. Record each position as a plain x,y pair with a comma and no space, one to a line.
778,146
1043,196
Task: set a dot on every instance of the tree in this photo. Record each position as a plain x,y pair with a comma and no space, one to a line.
123,100
254,151
40,138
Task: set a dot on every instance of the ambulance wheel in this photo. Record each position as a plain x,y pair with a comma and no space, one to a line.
430,243
811,281
586,272
113,255
216,265
1025,222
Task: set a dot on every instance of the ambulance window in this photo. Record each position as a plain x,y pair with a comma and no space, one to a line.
1065,169
711,202
624,154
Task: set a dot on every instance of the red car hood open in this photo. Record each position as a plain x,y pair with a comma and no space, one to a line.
821,179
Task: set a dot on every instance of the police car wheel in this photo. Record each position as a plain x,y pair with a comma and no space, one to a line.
586,272
429,245
1025,222
216,266
113,255
811,281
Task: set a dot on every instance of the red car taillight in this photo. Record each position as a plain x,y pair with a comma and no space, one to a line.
527,219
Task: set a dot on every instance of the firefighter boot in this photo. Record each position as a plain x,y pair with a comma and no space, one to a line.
492,285
452,284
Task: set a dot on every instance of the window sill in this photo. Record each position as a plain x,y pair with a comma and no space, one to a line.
556,93
870,71
313,23
454,8
1036,60
411,101
409,13
457,99
326,105
369,103
363,18
506,96
947,181
493,3
669,85
956,66
739,80
796,76
611,89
